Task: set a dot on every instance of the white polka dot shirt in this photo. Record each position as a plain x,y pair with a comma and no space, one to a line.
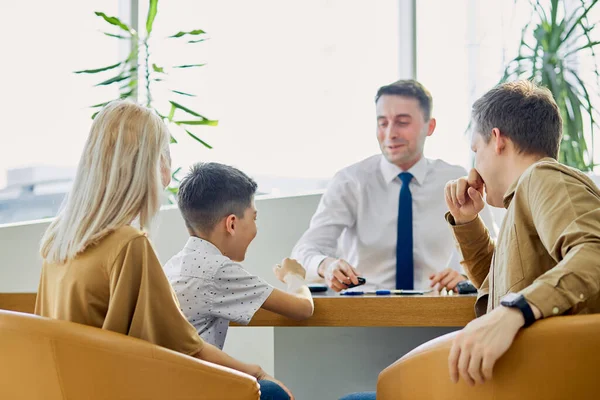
213,290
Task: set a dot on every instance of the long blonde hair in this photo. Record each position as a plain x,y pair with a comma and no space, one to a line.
118,180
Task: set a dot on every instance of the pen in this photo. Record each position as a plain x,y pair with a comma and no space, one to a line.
383,292
374,292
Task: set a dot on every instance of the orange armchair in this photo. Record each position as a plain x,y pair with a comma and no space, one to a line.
48,359
555,358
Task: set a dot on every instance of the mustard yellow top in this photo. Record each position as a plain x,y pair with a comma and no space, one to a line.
118,284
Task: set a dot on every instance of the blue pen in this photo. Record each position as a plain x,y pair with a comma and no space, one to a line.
359,293
383,292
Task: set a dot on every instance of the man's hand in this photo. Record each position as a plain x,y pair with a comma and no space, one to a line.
448,279
464,197
481,343
338,273
289,266
265,377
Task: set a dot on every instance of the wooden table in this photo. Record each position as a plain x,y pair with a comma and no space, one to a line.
343,311
415,310
21,302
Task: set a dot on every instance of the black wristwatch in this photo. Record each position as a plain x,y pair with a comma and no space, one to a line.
515,300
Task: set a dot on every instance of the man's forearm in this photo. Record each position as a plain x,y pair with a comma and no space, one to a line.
476,247
323,266
213,355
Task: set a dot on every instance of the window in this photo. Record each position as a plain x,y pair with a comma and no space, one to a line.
292,83
462,49
44,106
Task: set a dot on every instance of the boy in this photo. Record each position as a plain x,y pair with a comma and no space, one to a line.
217,205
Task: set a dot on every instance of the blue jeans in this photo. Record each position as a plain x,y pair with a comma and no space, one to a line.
359,396
269,390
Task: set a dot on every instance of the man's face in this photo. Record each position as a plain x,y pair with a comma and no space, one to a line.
245,233
402,129
489,165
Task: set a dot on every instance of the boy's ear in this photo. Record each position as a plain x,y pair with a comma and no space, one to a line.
231,223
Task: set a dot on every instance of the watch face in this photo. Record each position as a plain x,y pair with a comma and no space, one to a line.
511,298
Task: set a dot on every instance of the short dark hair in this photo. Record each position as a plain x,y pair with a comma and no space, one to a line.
412,89
212,191
525,113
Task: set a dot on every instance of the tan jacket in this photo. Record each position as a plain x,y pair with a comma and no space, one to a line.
118,285
548,247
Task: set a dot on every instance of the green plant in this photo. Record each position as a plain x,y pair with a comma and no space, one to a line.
138,71
551,45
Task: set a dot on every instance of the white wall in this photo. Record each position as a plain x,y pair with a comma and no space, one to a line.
280,223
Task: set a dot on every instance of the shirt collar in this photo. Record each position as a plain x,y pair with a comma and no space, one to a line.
391,171
196,244
510,193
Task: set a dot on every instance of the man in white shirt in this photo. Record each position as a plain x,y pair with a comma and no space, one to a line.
383,218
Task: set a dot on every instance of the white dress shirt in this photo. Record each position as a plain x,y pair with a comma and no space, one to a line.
358,215
213,290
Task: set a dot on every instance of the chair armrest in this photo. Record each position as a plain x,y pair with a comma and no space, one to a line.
553,359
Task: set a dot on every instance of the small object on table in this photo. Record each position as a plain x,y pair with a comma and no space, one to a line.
317,287
465,287
361,281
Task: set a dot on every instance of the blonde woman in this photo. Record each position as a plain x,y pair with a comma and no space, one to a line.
98,269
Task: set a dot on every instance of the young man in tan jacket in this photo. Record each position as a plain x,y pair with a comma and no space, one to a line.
546,260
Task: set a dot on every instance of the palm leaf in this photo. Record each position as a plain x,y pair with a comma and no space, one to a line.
591,110
193,33
187,110
126,95
112,80
199,122
172,112
198,139
152,10
95,71
174,174
553,11
580,19
183,93
545,63
100,104
116,22
585,46
117,36
189,66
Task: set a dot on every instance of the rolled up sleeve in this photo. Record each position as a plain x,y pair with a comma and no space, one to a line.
335,213
476,248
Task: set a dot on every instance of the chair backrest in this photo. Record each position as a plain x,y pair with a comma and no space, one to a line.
48,359
553,359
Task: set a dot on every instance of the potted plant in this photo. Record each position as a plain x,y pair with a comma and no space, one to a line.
551,47
138,74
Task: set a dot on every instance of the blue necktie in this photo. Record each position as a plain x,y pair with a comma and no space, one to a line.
404,243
